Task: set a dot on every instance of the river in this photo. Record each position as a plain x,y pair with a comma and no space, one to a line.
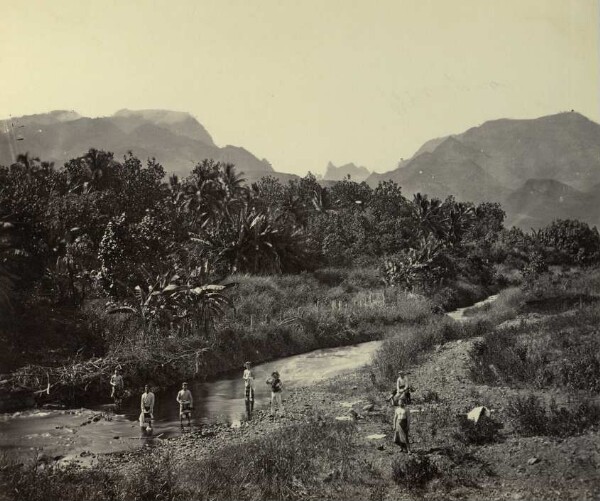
74,433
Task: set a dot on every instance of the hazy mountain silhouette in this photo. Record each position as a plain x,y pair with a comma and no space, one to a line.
177,140
450,169
539,169
356,173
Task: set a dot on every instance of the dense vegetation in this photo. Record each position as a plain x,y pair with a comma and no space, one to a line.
106,258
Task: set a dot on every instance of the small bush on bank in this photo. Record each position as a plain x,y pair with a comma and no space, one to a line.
413,472
484,431
530,417
430,397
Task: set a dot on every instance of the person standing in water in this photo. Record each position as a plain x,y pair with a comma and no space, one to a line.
276,390
186,404
117,387
248,390
147,408
401,426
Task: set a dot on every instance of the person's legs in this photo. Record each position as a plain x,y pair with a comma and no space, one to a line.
279,401
273,397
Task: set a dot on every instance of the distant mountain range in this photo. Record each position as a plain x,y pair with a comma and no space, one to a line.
356,173
176,139
539,169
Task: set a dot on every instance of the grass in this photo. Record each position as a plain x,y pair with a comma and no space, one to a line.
560,352
408,346
285,465
531,417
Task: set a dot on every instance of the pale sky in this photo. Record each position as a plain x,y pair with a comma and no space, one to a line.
303,82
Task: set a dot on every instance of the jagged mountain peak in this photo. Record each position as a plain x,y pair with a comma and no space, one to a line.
356,173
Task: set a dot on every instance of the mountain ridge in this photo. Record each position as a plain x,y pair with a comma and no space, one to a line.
176,139
519,157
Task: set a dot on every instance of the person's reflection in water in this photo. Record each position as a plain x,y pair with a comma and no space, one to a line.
147,408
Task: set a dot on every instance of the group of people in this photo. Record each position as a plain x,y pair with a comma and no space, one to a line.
186,400
274,381
400,398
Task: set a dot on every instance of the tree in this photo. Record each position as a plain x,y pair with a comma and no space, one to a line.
570,242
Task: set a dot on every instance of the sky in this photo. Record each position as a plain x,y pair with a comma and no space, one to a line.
302,83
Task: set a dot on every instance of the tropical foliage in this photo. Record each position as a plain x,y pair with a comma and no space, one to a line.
160,250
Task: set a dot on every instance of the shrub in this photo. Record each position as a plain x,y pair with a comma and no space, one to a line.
484,431
563,351
430,396
413,472
530,417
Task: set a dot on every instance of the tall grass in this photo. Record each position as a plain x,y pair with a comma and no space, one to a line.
408,346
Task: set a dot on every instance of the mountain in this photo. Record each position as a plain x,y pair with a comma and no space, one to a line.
540,201
178,122
564,147
358,174
177,140
450,169
539,169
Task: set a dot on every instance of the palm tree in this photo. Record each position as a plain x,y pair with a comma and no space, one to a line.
231,182
429,215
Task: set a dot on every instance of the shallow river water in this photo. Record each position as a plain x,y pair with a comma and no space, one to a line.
69,433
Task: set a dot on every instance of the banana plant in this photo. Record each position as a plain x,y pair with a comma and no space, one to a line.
171,300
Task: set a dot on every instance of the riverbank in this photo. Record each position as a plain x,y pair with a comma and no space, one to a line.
273,317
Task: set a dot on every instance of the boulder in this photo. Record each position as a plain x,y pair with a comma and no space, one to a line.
477,413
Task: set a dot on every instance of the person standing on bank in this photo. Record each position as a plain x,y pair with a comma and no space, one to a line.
248,389
276,390
402,388
186,404
401,426
147,408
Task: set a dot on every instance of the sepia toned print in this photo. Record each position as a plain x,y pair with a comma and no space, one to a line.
300,250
